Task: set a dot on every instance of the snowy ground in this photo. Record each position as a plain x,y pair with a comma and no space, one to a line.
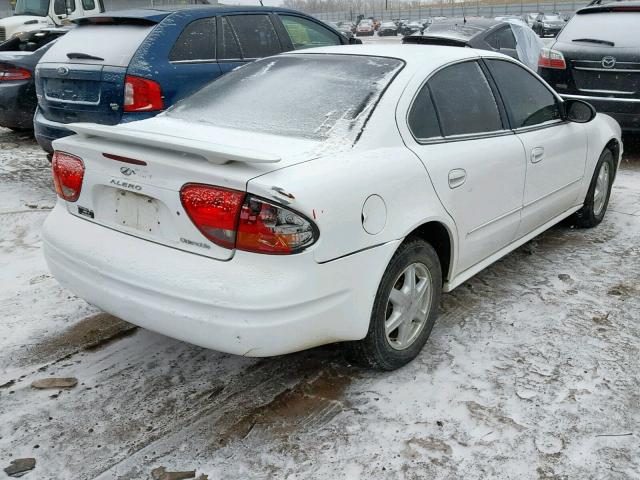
531,372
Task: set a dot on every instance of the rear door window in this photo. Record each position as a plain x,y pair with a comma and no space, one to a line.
114,45
464,100
88,4
307,34
527,100
423,120
256,35
197,42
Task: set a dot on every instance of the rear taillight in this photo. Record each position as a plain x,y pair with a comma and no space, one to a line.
551,59
233,219
214,211
268,228
11,74
68,172
142,95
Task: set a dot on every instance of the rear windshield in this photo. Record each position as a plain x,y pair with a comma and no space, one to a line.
112,45
613,27
309,96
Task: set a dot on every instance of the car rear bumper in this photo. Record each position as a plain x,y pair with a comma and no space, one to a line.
46,131
17,104
253,305
624,110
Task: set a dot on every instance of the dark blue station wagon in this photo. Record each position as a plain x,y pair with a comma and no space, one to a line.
131,65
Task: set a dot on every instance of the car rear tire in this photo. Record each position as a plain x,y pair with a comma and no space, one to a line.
404,310
595,205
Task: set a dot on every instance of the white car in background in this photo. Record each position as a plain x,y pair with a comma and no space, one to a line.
260,220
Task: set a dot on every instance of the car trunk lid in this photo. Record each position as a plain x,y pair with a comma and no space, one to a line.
604,71
134,173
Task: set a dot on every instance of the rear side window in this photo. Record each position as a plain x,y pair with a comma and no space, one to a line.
615,27
196,42
88,4
229,49
114,44
256,35
528,101
423,120
464,100
307,34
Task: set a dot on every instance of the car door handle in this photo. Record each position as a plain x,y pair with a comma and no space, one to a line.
537,154
457,177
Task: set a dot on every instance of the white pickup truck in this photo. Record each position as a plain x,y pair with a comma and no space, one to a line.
36,14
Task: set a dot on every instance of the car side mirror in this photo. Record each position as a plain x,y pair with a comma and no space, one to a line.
355,41
579,111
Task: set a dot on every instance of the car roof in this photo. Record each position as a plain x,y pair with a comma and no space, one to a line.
156,15
415,56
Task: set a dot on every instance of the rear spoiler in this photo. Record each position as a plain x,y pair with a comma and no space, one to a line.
131,17
212,152
433,40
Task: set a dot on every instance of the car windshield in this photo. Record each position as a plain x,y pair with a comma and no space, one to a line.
553,18
268,96
608,27
38,8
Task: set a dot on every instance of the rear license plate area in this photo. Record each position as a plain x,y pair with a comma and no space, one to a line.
72,91
137,211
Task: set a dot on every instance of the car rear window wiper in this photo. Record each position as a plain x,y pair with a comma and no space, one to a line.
83,56
594,40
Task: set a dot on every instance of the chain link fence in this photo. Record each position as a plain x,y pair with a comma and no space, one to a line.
7,10
428,10
469,9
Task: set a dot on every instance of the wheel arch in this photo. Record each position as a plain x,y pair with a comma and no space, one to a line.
441,238
615,147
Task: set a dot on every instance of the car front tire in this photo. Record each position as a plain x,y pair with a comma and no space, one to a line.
597,201
404,310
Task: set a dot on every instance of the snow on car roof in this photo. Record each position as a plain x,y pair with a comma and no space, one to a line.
415,56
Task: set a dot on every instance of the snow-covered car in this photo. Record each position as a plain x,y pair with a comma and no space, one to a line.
265,224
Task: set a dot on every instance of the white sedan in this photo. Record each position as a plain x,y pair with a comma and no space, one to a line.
323,196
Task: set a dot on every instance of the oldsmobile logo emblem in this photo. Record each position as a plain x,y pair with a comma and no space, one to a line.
609,62
127,171
63,71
